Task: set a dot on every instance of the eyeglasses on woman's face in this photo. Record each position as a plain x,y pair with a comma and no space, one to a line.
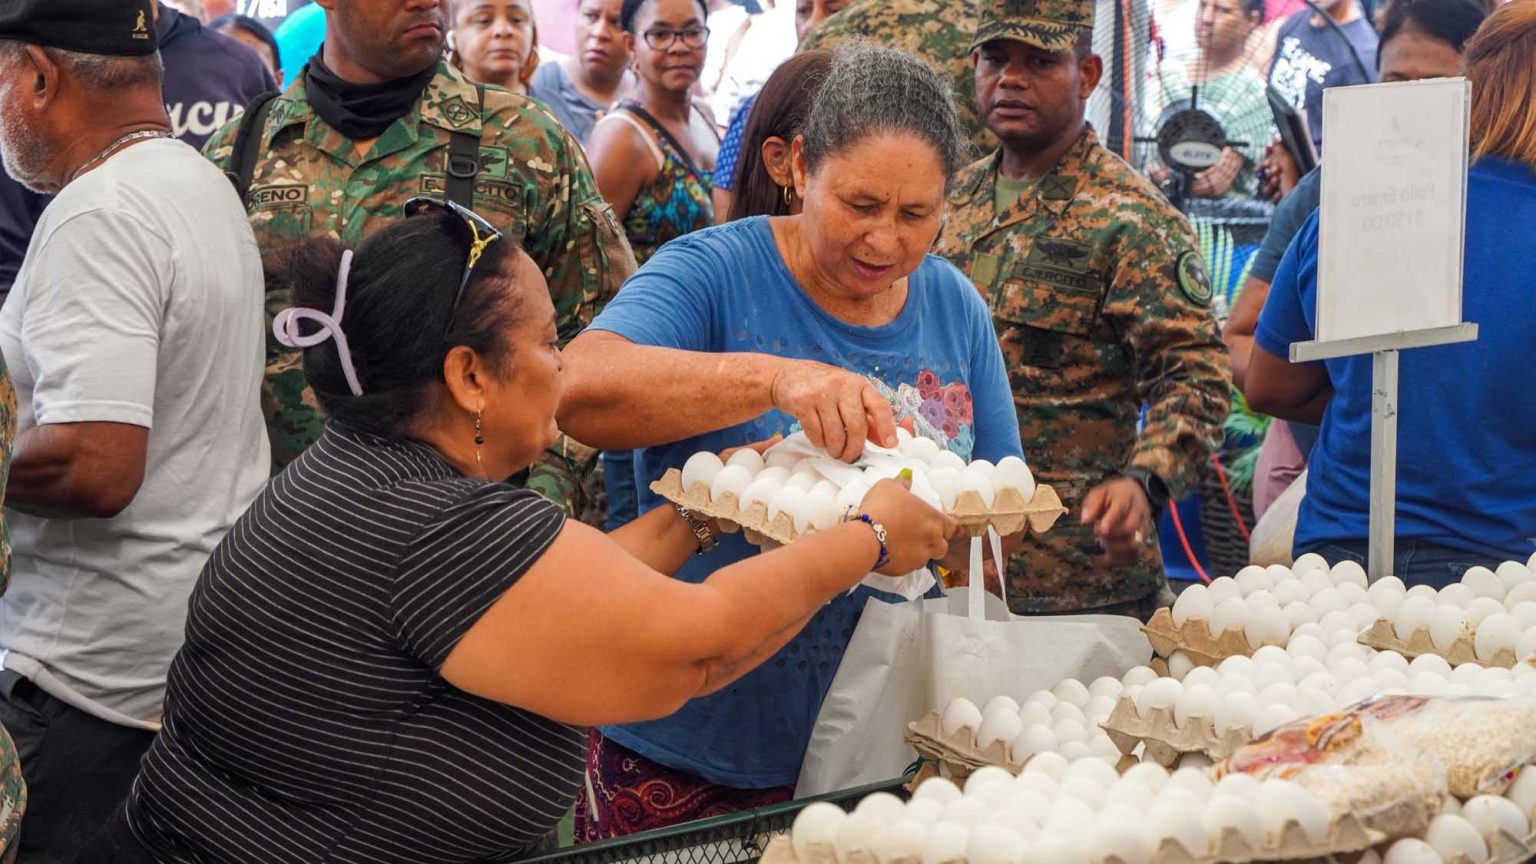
662,38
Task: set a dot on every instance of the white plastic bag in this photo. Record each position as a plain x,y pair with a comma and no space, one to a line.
905,659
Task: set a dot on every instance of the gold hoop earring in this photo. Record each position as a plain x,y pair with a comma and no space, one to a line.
479,439
789,197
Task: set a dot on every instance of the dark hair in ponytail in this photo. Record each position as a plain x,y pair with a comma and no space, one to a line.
402,283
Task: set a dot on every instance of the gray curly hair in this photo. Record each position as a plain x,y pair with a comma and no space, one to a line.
873,89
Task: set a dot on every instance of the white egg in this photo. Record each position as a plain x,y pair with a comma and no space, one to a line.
1138,676
1388,660
856,835
1238,664
1075,750
1266,625
1100,747
1305,667
902,841
1426,684
1236,711
1002,726
747,458
1349,571
1099,708
1312,701
997,703
1012,473
1290,591
1386,604
1071,690
819,512
1068,711
760,491
1466,673
1094,770
1229,615
1455,594
1363,614
994,844
1328,600
1522,593
1151,775
1180,825
1197,700
1386,585
1069,811
1524,614
1412,851
971,480
1084,789
1053,765
1484,583
1233,683
987,776
1413,616
1305,645
1253,578
1070,732
965,811
1193,602
1121,840
1222,814
732,479
1160,695
1272,717
884,806
1055,849
1106,685
816,825
1201,675
1279,693
787,500
1271,654
940,789
1482,607
827,488
1130,794
1032,740
805,481
924,811
1340,627
1045,698
1352,594
1316,581
1430,663
961,713
1033,713
1497,633
921,449
1388,680
1180,665
948,459
1525,646
701,468
1298,614
1223,588
1491,813
1308,562
1427,591
1280,573
1236,785
1448,625
1523,791
1452,835
1267,674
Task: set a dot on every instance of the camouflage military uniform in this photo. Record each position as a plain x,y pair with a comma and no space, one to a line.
13,791
938,31
7,442
534,183
1101,303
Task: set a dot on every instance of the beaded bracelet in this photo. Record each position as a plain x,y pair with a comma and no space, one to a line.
885,552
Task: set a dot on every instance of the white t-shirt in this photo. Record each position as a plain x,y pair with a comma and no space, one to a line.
139,302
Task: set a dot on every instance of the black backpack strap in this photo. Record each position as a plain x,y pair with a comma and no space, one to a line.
242,162
464,162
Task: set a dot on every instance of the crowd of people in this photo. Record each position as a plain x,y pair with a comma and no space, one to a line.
328,415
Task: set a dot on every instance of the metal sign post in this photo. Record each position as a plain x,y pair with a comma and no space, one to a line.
1390,252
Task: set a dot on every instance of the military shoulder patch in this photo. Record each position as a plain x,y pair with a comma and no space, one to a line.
457,112
1193,280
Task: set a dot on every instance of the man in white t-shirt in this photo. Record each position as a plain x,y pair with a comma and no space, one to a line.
133,334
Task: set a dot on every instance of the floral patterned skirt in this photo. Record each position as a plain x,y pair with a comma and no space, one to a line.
627,793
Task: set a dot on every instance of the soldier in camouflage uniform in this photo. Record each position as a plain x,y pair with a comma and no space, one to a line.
1101,303
533,183
938,31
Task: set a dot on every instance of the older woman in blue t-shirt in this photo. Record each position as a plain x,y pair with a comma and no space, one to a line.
835,321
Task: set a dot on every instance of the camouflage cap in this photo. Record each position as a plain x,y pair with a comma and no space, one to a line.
1050,25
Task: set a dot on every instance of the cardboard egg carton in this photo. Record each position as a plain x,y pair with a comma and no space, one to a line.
1383,637
1009,514
957,751
1196,641
1345,835
1163,740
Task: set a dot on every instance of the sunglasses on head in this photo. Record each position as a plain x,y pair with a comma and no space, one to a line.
482,234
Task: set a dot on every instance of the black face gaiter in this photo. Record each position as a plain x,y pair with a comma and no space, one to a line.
362,111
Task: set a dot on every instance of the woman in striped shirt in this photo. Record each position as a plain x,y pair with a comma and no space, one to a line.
389,656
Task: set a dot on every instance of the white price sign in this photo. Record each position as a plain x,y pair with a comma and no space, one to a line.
1394,208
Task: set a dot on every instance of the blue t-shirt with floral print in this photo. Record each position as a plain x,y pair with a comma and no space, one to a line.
727,289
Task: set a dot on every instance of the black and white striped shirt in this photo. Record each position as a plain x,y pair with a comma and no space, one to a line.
305,717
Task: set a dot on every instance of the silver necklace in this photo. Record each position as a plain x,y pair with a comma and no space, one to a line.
115,146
